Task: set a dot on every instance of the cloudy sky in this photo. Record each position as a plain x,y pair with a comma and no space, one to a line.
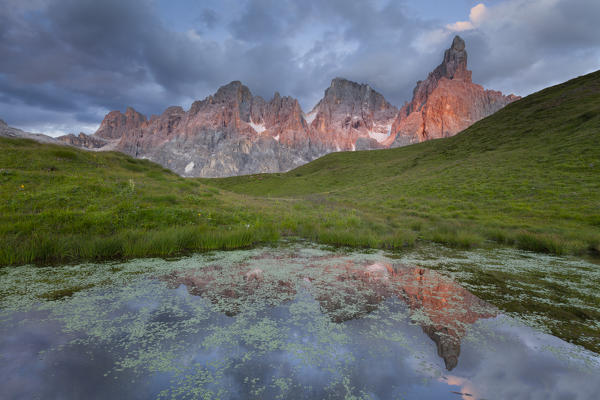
65,63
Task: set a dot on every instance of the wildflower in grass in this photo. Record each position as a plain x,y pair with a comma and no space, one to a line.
22,186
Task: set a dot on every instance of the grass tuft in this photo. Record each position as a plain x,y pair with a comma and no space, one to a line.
541,243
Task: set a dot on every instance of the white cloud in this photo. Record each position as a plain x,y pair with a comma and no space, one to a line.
478,14
476,17
431,41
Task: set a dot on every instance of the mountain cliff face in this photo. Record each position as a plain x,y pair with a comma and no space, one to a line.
447,102
351,115
229,133
115,125
234,133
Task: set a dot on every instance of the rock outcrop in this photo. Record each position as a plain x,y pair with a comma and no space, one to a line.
446,103
234,132
115,125
82,140
351,116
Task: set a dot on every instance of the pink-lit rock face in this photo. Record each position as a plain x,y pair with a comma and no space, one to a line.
115,125
348,112
446,103
229,133
233,132
449,308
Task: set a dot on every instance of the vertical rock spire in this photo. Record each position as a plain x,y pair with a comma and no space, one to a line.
454,65
446,102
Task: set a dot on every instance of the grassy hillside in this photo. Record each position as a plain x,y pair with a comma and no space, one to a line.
59,204
528,176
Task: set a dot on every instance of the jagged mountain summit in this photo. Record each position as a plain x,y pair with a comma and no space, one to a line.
447,102
235,133
351,116
229,133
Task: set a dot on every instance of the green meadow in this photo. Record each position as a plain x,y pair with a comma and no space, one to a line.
526,177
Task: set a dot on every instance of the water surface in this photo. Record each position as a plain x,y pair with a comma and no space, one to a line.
293,322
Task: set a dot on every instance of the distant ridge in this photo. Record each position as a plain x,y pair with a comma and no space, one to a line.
15,133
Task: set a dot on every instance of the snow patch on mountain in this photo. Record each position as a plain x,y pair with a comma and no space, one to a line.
189,167
310,117
381,132
259,128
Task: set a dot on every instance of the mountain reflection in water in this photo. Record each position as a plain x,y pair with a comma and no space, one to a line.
346,291
293,322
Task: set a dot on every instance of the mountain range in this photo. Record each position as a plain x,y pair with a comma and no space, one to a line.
233,132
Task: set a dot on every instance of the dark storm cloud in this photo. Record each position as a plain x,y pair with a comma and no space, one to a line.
365,41
76,59
209,18
83,51
46,97
258,22
112,53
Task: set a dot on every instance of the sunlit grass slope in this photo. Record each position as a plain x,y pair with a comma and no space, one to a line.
63,204
528,176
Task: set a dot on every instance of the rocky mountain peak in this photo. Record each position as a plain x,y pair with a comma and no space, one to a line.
350,112
341,82
458,44
447,101
455,61
197,105
2,123
234,91
116,123
355,95
341,87
130,112
453,67
174,110
233,132
237,96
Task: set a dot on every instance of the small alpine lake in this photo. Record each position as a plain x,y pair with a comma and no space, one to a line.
302,321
